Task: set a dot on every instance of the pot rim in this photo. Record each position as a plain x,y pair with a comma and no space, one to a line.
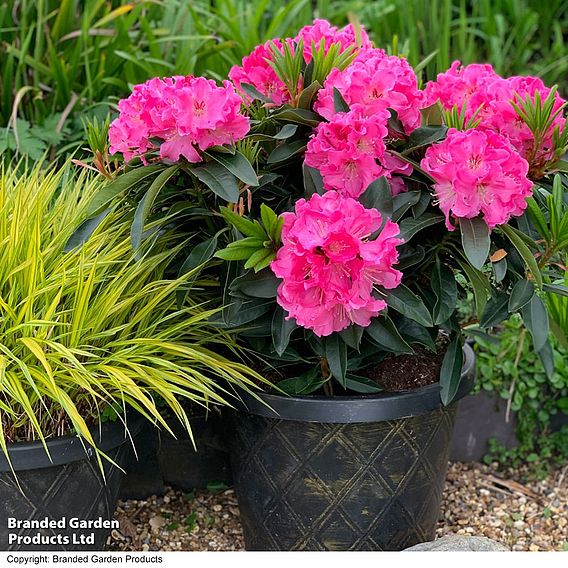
70,448
362,408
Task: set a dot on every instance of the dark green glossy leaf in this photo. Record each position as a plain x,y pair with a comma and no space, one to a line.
521,295
352,335
336,355
450,373
495,311
286,151
383,332
424,136
282,329
407,303
313,182
339,104
378,195
475,240
445,288
362,385
556,289
200,254
254,93
84,231
305,384
119,186
146,203
219,180
547,357
526,254
535,317
298,116
238,165
410,226
261,284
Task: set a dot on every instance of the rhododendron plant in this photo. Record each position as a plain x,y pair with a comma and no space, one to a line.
344,211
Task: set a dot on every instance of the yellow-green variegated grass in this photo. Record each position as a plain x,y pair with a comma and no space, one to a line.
95,327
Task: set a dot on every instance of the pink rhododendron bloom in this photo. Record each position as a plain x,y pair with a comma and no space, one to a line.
350,153
183,114
256,71
323,30
479,88
373,83
478,173
328,265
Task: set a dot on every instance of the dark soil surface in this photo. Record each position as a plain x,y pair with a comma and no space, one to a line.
405,372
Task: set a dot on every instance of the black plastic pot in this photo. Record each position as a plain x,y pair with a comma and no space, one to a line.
163,460
70,486
343,473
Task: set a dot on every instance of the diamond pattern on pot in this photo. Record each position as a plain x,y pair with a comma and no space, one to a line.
364,486
76,489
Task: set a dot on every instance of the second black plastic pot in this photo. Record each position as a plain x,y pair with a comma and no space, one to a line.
343,473
68,488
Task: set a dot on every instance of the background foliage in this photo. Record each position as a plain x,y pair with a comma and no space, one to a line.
62,61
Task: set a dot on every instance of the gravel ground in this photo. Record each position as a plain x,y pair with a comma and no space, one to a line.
477,501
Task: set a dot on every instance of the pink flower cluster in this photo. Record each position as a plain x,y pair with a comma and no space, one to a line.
373,83
350,153
256,70
478,173
183,114
479,87
329,266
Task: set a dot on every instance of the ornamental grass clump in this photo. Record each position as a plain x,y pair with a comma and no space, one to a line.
357,208
88,330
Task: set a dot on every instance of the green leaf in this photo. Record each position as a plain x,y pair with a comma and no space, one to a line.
145,205
305,384
547,358
219,180
362,385
383,332
242,312
308,94
479,283
475,240
445,288
413,332
424,136
261,284
238,165
378,196
336,355
521,295
286,151
556,289
535,317
407,303
120,185
254,93
538,218
403,202
260,259
339,103
298,116
409,226
200,254
243,225
524,251
313,182
450,373
496,310
282,329
242,249
84,231
352,335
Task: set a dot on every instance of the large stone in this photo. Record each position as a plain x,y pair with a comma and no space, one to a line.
460,544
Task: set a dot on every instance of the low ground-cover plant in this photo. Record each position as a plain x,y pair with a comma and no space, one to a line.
509,366
345,200
88,331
